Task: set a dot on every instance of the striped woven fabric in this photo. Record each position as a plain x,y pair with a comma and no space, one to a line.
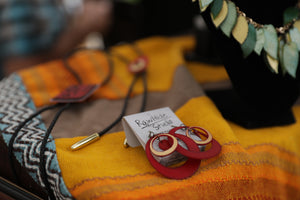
253,164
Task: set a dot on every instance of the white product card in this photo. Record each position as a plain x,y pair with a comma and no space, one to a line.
139,126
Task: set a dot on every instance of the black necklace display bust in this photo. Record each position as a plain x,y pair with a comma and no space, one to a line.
260,97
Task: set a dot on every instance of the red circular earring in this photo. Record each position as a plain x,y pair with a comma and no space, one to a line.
195,130
181,172
213,151
166,152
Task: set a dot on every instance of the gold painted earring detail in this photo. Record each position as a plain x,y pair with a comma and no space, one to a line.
196,130
166,152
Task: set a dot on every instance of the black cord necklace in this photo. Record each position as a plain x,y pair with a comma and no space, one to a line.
42,164
66,98
138,68
63,103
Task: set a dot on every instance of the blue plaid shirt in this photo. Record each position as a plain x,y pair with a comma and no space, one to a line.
29,26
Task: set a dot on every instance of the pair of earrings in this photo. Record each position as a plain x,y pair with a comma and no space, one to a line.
170,144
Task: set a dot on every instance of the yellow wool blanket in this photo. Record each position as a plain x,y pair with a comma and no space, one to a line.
256,164
253,164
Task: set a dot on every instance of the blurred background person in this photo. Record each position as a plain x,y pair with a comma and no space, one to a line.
36,31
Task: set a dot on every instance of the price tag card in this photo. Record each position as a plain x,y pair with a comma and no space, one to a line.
139,126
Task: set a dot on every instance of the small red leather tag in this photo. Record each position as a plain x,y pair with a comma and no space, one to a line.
75,93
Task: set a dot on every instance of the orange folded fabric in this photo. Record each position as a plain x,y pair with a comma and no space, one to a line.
92,67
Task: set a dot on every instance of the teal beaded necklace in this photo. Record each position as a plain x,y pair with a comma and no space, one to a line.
279,46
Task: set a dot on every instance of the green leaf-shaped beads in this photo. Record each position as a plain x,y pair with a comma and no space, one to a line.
203,4
290,58
280,54
272,63
283,49
230,20
221,16
260,41
295,36
216,7
240,30
249,44
297,24
271,40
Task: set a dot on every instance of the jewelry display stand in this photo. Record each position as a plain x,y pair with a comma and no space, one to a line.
260,97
